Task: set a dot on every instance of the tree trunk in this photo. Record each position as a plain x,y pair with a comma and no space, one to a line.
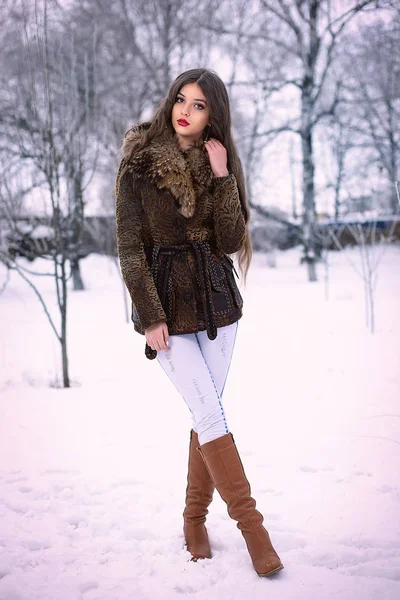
340,152
308,182
77,212
293,180
167,45
393,156
394,206
64,352
76,275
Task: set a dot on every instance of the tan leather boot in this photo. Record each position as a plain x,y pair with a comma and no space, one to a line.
226,469
199,493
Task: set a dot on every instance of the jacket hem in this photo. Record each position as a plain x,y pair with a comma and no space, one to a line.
236,315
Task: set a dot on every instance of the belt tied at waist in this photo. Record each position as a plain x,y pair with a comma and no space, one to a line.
202,252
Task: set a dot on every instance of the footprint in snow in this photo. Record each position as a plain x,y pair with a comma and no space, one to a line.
20,509
307,469
16,479
77,521
185,589
87,586
35,545
386,489
366,543
25,489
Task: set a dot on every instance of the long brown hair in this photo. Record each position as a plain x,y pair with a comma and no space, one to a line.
220,117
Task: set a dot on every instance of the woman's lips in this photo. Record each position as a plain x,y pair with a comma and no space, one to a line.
182,122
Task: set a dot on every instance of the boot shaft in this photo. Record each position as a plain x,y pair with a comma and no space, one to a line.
200,486
226,469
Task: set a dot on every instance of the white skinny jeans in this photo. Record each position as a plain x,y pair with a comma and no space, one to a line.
199,367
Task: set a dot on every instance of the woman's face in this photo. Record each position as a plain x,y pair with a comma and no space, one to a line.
190,113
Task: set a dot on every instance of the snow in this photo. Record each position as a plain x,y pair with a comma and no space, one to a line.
92,479
368,216
42,231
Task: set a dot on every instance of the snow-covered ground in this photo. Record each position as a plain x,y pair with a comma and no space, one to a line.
92,479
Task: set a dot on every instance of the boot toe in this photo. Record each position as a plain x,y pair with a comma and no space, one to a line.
266,568
197,542
199,553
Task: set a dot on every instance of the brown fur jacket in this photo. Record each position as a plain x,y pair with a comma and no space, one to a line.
176,224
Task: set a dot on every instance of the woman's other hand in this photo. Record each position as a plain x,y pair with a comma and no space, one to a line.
218,157
157,336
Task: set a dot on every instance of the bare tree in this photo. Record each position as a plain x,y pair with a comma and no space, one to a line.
345,164
140,47
323,237
341,146
70,81
314,27
371,76
45,130
372,245
78,121
293,180
13,227
307,32
252,83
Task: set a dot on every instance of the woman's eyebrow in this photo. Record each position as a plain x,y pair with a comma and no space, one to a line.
197,99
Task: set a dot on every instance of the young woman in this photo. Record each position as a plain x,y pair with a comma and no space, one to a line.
181,210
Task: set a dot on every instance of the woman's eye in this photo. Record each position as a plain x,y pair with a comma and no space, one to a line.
179,100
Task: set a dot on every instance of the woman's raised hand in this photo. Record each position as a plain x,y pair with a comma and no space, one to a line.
157,336
218,157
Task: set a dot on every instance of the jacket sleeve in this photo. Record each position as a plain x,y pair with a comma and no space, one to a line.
229,223
134,266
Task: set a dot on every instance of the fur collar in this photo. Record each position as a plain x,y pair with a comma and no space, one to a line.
186,174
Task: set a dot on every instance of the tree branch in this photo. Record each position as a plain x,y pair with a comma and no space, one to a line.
349,14
287,18
274,88
32,285
332,109
277,130
271,215
256,36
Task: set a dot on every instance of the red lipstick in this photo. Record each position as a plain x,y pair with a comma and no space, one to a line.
183,122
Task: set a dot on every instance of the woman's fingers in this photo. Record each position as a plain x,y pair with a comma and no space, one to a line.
209,145
158,336
165,336
213,143
158,343
152,342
